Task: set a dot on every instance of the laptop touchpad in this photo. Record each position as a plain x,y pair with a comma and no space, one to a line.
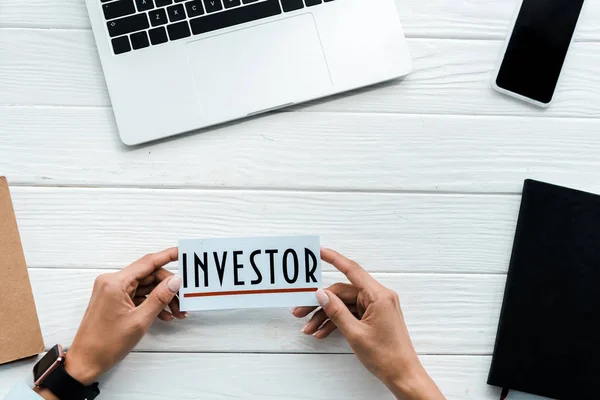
259,68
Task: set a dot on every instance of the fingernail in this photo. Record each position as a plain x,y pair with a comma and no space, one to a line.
305,326
174,283
185,315
322,298
294,310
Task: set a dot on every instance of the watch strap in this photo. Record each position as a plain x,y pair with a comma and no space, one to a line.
65,387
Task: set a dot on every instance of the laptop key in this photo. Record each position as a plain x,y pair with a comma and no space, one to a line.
235,16
118,9
162,3
310,3
292,5
158,17
179,30
176,13
194,8
249,1
158,35
231,3
121,45
122,26
144,5
212,5
139,40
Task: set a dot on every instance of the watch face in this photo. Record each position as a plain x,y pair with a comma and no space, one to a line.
46,362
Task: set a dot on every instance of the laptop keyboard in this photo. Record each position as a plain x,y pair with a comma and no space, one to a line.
138,24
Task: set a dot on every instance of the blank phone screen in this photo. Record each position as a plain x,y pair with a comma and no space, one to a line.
538,47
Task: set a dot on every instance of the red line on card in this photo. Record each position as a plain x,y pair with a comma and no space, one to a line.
240,292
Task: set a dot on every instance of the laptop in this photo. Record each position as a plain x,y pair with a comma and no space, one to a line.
173,66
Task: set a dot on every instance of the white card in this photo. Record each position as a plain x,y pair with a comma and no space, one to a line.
249,272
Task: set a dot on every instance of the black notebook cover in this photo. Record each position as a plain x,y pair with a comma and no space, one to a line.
548,340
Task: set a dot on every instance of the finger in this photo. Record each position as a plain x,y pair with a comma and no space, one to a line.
327,329
146,265
301,312
155,278
159,298
165,316
348,294
315,322
175,310
144,290
138,300
162,274
354,272
337,312
149,280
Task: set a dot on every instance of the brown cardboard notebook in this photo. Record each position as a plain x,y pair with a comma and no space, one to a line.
20,334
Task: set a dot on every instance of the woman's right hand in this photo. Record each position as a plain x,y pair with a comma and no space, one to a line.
370,318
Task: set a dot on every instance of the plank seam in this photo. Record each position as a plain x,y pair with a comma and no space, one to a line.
301,110
305,108
407,34
264,189
327,271
483,354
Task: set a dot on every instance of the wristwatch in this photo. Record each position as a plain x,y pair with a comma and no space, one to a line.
50,373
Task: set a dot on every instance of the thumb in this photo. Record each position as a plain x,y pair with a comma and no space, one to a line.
338,313
159,298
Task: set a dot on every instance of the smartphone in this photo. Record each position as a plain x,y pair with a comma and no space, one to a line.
537,49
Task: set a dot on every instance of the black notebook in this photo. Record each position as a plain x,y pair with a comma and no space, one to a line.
548,340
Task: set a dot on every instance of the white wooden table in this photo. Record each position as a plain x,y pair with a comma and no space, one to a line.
418,180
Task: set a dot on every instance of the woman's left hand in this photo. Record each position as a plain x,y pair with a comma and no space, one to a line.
122,307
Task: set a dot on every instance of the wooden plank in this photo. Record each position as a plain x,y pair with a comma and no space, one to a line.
266,376
322,151
445,313
101,228
435,18
454,77
42,67
490,19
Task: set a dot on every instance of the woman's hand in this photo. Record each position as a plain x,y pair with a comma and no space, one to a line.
122,307
370,318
